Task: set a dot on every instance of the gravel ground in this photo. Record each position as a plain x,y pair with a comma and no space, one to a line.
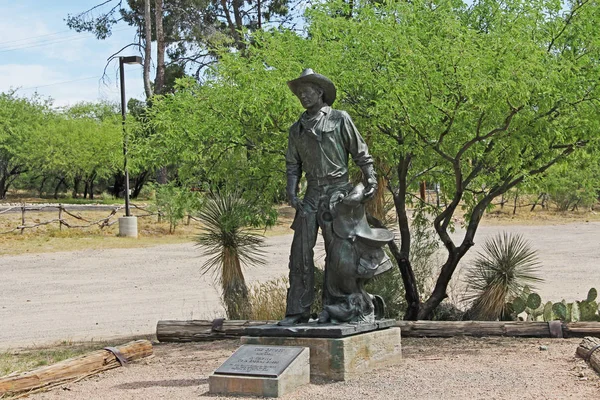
103,294
458,368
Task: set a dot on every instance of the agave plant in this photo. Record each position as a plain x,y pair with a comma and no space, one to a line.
499,273
230,245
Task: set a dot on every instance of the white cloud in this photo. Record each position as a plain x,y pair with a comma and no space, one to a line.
35,37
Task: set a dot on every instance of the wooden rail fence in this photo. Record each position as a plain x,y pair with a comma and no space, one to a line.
62,211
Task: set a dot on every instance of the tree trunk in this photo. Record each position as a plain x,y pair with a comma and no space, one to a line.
41,188
402,256
536,201
90,184
235,291
73,368
159,81
3,187
162,176
76,183
60,182
118,185
140,181
85,190
147,48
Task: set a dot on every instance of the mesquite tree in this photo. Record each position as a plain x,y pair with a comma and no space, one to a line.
478,98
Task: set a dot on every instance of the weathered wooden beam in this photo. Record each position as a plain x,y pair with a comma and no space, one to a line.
589,350
203,330
74,368
206,330
498,328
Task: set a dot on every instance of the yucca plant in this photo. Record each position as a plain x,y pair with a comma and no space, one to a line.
230,245
499,273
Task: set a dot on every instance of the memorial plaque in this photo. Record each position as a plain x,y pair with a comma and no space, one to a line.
255,360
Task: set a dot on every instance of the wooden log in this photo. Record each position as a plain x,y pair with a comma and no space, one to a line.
202,330
73,368
589,350
581,329
206,330
473,328
495,328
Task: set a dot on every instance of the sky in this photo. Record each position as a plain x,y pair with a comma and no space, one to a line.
38,53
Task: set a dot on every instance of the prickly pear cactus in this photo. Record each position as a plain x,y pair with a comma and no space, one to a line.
592,294
575,313
548,314
588,310
560,311
534,301
519,305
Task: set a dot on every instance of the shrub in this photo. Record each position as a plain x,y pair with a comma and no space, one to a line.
268,299
499,273
230,246
175,202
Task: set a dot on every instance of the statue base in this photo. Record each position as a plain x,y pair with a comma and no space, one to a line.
313,329
337,358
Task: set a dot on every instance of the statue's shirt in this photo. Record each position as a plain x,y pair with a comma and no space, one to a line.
320,146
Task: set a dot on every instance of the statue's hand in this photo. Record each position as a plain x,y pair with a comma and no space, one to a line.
370,189
296,203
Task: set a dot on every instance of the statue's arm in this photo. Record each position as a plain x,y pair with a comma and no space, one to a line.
293,166
357,148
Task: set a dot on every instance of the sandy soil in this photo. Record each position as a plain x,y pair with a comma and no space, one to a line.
458,368
101,294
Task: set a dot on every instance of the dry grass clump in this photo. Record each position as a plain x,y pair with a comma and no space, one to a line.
268,299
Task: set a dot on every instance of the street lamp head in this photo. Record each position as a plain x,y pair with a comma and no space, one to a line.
131,60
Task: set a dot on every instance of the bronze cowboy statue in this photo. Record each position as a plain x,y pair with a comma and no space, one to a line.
319,145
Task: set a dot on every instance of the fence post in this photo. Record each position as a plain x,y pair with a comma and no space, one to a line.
60,224
22,218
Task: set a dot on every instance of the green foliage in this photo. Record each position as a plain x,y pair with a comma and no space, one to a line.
229,245
82,143
175,202
574,183
499,273
22,124
387,286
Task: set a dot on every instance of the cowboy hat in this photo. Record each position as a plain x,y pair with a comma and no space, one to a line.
309,76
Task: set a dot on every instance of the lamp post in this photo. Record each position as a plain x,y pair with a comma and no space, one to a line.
127,224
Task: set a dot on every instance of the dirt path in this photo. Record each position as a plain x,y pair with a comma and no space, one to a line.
460,368
101,294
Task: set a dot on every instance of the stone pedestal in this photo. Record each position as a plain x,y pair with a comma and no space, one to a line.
245,373
340,359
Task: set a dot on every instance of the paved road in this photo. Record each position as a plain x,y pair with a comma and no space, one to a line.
99,294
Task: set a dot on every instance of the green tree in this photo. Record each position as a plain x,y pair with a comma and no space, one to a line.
22,124
81,144
479,98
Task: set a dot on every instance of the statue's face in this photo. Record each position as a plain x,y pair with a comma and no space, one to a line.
309,95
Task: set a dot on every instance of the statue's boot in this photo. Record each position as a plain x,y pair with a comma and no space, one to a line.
294,319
